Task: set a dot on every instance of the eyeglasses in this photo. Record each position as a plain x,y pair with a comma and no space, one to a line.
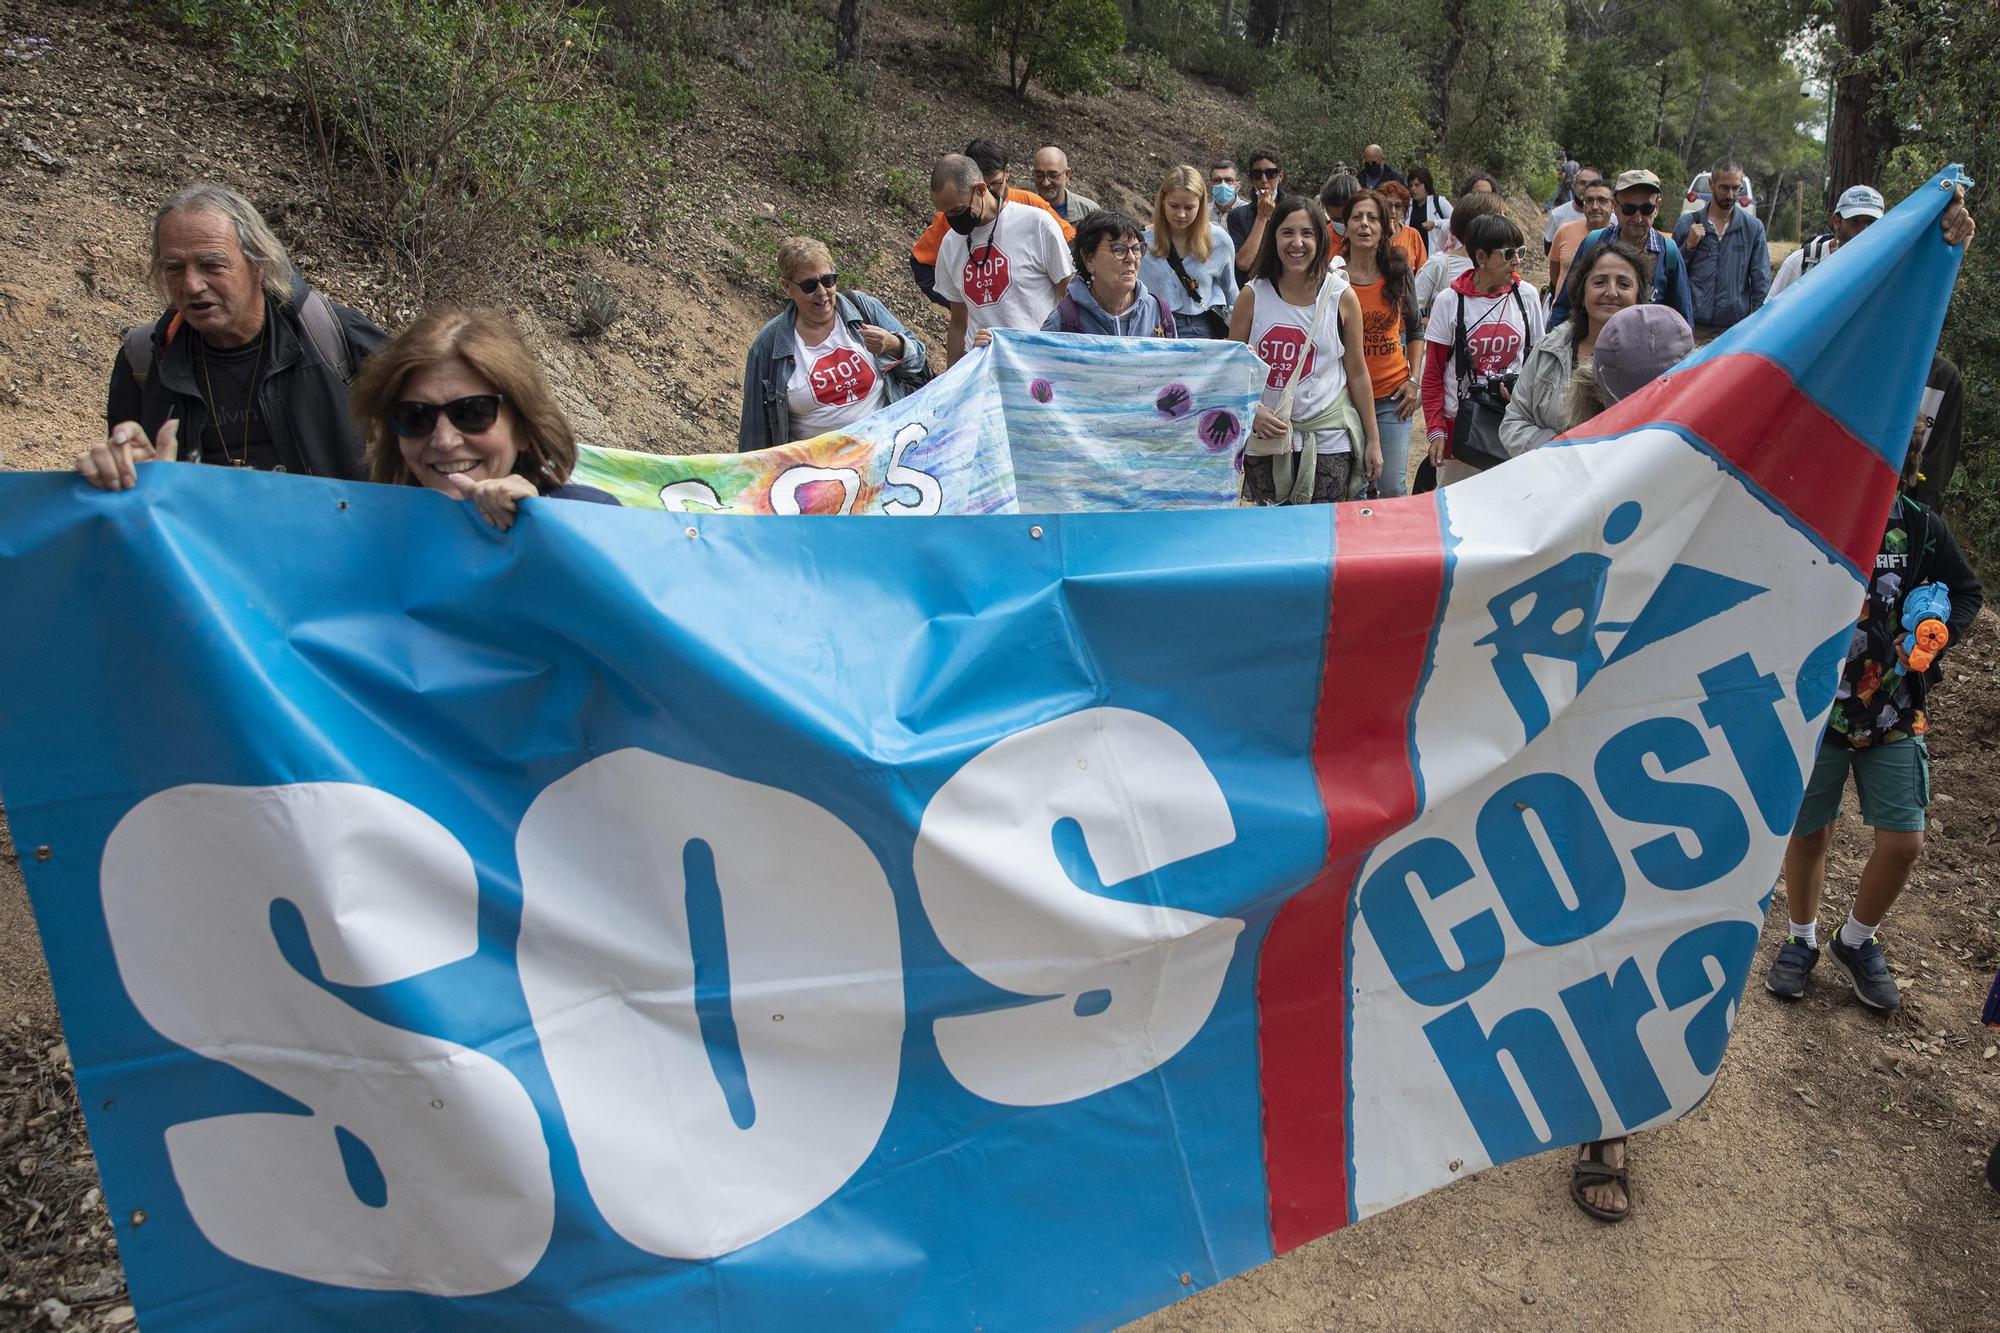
1132,251
1648,209
413,420
825,280
1264,173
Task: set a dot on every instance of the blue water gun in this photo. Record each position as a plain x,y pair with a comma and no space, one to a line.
1926,613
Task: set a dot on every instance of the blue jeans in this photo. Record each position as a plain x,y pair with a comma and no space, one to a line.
1394,432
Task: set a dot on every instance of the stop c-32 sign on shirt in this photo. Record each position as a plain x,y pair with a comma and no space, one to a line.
1494,346
1279,348
841,377
985,276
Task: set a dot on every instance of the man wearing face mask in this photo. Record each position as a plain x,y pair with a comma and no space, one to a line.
1638,199
992,162
1222,186
1002,264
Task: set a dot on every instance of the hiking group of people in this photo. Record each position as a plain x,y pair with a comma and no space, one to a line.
1365,301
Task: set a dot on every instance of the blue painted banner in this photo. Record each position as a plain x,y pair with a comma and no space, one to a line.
1035,422
984,922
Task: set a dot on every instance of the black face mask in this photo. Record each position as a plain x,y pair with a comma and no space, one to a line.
962,221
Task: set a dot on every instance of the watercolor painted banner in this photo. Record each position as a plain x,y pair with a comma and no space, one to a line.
1037,423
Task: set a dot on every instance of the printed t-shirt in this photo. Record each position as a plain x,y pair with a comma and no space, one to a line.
1382,337
834,383
1006,271
1278,335
1498,332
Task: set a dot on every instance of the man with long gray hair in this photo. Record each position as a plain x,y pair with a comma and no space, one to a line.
248,366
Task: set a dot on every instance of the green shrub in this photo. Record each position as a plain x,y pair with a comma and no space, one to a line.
1233,63
1149,71
908,191
1067,46
821,122
647,52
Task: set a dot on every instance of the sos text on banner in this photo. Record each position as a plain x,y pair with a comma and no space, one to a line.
980,922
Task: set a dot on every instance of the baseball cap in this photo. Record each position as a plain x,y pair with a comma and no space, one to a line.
1632,180
1859,201
1638,345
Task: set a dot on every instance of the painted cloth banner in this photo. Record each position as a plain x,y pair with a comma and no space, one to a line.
974,923
1038,423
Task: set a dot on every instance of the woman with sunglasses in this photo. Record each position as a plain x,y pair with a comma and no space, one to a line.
458,404
1480,329
1110,299
1190,262
828,360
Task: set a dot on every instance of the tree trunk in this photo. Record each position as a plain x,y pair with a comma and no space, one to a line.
847,26
1227,26
1860,137
1694,118
1447,67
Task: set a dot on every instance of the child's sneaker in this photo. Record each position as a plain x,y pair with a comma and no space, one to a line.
1795,961
1869,973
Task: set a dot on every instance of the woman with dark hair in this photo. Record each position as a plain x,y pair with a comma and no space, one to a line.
457,403
1109,299
1381,278
1478,183
1190,262
1606,281
1480,329
1430,212
1304,321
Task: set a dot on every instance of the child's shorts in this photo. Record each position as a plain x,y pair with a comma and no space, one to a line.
1893,782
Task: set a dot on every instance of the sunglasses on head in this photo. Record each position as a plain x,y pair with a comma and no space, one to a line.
825,280
413,420
1648,209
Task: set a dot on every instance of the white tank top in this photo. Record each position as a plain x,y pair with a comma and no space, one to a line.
1281,338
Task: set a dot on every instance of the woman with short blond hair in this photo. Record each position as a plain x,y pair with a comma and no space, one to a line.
1190,262
827,360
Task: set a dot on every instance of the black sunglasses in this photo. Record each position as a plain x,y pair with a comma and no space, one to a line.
825,280
413,420
1264,173
1648,209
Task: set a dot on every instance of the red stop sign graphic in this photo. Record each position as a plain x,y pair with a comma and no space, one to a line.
1494,346
1280,347
985,277
841,377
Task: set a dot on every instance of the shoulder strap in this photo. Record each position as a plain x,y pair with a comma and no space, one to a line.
322,327
1329,290
1460,354
1068,316
1166,318
139,351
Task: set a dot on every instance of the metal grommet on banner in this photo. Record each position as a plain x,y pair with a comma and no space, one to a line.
139,1217
1366,511
43,853
1036,532
692,533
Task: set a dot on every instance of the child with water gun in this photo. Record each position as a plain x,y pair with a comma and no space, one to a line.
1922,597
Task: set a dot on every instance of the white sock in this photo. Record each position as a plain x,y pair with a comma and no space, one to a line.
1808,933
1854,934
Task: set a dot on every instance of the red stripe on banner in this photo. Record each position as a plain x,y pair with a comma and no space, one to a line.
1749,409
1386,586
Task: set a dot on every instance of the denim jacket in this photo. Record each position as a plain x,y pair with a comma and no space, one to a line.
1215,276
767,417
1730,274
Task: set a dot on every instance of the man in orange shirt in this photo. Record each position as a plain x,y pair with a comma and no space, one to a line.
1596,201
992,163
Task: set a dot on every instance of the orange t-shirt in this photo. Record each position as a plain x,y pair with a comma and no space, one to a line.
1382,337
925,251
1563,249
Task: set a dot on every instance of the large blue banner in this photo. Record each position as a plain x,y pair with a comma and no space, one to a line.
996,922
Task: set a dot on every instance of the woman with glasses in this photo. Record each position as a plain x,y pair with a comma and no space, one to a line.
458,404
1110,299
1608,280
828,360
1190,262
1480,329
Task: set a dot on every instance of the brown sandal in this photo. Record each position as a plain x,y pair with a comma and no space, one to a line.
1591,1169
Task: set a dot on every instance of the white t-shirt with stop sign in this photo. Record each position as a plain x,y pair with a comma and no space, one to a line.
1499,331
1006,271
1282,336
834,383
